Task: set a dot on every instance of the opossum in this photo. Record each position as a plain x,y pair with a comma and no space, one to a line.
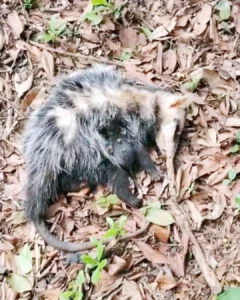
64,143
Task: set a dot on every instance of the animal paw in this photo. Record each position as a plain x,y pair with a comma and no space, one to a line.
134,202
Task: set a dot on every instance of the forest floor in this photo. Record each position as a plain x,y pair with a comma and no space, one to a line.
191,249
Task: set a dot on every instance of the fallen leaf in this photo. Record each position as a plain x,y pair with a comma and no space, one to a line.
231,294
16,24
2,39
48,63
6,246
169,61
185,55
24,86
30,96
128,37
52,294
166,283
203,17
118,265
156,257
18,283
168,24
232,122
131,290
70,15
224,9
159,216
161,232
24,260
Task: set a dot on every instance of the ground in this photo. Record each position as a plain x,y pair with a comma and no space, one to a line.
179,45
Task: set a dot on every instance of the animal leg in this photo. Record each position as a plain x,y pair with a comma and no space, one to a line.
118,178
145,163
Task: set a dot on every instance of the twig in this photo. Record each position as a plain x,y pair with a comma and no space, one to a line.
207,272
77,55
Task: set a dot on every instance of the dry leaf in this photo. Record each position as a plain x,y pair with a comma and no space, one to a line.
166,283
128,37
70,15
2,39
131,290
23,86
156,257
169,61
161,232
232,122
30,96
48,63
168,24
118,265
16,24
203,17
185,55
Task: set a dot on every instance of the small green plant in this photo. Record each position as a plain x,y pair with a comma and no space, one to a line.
106,202
236,147
237,201
148,33
116,228
101,7
192,188
192,85
75,291
126,54
224,8
53,31
232,174
96,263
28,4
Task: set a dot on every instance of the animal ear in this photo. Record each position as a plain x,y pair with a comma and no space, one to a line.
182,101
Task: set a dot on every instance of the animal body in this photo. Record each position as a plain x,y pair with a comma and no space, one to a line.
65,140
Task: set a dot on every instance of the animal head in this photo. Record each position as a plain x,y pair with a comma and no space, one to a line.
172,115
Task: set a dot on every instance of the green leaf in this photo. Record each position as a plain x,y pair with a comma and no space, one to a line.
103,202
110,221
230,294
237,200
235,148
238,137
126,54
102,264
99,250
67,295
232,174
18,283
224,9
113,199
78,296
112,232
191,189
144,209
94,241
159,217
100,2
52,24
226,181
96,276
24,260
122,221
148,33
192,85
61,29
80,279
95,19
88,260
